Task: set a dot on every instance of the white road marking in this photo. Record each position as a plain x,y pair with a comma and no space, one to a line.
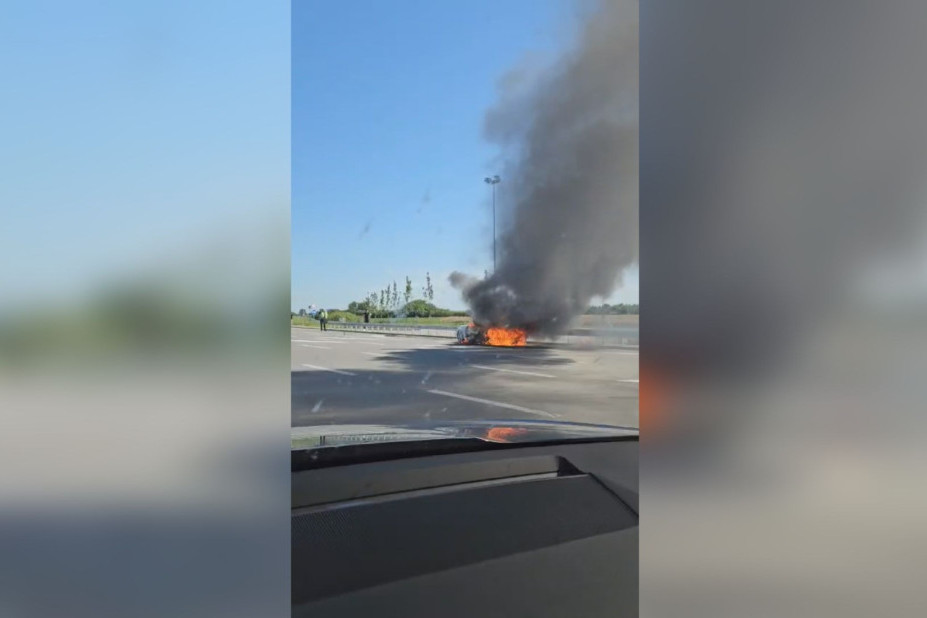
344,373
317,347
524,373
635,381
384,352
489,402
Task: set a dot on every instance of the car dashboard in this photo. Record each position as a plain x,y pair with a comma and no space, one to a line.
536,530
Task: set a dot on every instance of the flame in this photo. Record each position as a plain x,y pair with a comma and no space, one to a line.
506,336
504,434
655,401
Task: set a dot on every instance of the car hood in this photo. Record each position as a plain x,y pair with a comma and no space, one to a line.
502,431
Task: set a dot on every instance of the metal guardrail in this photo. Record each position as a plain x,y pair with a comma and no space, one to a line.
614,336
385,327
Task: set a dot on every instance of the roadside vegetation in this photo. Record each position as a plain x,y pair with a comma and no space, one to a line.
390,305
335,317
394,306
619,309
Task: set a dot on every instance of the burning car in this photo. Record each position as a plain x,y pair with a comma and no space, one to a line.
472,334
469,334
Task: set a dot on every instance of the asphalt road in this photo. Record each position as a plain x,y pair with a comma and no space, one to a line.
342,377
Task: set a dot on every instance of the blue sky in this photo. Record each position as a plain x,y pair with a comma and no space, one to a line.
388,159
132,130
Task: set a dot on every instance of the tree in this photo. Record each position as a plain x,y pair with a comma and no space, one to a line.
394,300
358,307
407,295
382,300
619,309
372,301
419,309
302,313
429,291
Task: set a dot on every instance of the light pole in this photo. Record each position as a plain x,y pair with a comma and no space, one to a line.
493,182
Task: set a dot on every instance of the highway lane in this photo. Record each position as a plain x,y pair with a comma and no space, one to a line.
340,377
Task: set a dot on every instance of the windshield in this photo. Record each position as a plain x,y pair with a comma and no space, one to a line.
464,167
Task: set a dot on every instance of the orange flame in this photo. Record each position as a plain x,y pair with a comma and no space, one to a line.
506,336
504,434
655,403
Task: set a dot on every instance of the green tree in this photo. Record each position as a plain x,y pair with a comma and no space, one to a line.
619,309
372,301
419,308
407,295
429,291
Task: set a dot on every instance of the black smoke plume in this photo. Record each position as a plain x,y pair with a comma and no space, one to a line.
570,184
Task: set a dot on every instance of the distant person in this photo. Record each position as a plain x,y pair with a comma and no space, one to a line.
366,317
323,319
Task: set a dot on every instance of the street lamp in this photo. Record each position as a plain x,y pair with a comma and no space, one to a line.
493,182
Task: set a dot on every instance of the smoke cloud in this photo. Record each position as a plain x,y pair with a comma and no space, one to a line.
571,142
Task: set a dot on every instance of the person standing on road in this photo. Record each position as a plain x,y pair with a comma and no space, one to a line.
323,319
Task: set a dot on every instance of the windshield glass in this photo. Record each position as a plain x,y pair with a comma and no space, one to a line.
464,165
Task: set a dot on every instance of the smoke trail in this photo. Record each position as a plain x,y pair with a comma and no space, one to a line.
572,143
